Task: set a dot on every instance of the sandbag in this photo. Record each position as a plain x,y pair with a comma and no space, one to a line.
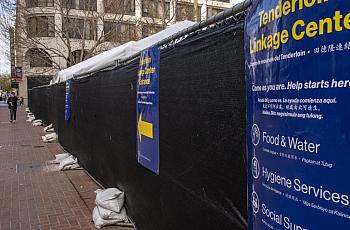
59,158
48,127
72,167
37,122
50,130
70,160
111,199
30,119
100,222
110,215
48,138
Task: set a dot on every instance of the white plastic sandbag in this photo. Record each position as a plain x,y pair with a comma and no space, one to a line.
100,222
48,127
110,215
30,119
71,160
71,167
50,130
59,158
111,199
37,122
48,138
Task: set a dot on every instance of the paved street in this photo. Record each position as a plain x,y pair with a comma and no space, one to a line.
32,196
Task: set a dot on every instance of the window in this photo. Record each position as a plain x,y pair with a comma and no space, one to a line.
228,1
119,32
39,58
41,26
39,3
151,8
148,30
38,80
68,4
213,11
120,6
76,56
156,9
88,5
79,28
186,12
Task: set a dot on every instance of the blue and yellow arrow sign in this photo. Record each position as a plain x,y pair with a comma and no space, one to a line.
144,128
147,110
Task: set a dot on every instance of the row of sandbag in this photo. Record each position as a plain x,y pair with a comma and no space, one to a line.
65,161
47,138
35,122
31,118
109,208
51,136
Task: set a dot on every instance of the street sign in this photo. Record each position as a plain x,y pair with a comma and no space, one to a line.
18,74
67,112
147,110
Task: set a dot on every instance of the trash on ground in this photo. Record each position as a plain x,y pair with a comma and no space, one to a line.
109,208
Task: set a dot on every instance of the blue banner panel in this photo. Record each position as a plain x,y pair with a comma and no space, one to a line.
147,110
298,130
67,105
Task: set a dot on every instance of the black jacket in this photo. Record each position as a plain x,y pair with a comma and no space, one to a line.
12,102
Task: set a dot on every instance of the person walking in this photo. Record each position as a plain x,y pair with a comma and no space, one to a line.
12,102
21,101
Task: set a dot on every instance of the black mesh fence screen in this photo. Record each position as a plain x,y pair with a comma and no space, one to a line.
202,181
35,81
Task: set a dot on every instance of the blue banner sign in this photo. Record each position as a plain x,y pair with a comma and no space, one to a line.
67,104
298,130
147,110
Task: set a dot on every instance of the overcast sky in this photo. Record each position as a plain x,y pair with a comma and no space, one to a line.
4,62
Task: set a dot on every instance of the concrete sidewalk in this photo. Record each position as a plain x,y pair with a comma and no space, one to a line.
32,197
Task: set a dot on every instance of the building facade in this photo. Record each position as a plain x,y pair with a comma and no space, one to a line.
51,35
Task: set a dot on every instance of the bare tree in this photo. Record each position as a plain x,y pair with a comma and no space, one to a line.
70,31
55,34
158,14
7,17
7,12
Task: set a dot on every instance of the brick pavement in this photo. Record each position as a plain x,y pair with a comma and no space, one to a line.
32,198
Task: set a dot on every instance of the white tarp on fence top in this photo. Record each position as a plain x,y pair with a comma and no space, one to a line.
121,52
